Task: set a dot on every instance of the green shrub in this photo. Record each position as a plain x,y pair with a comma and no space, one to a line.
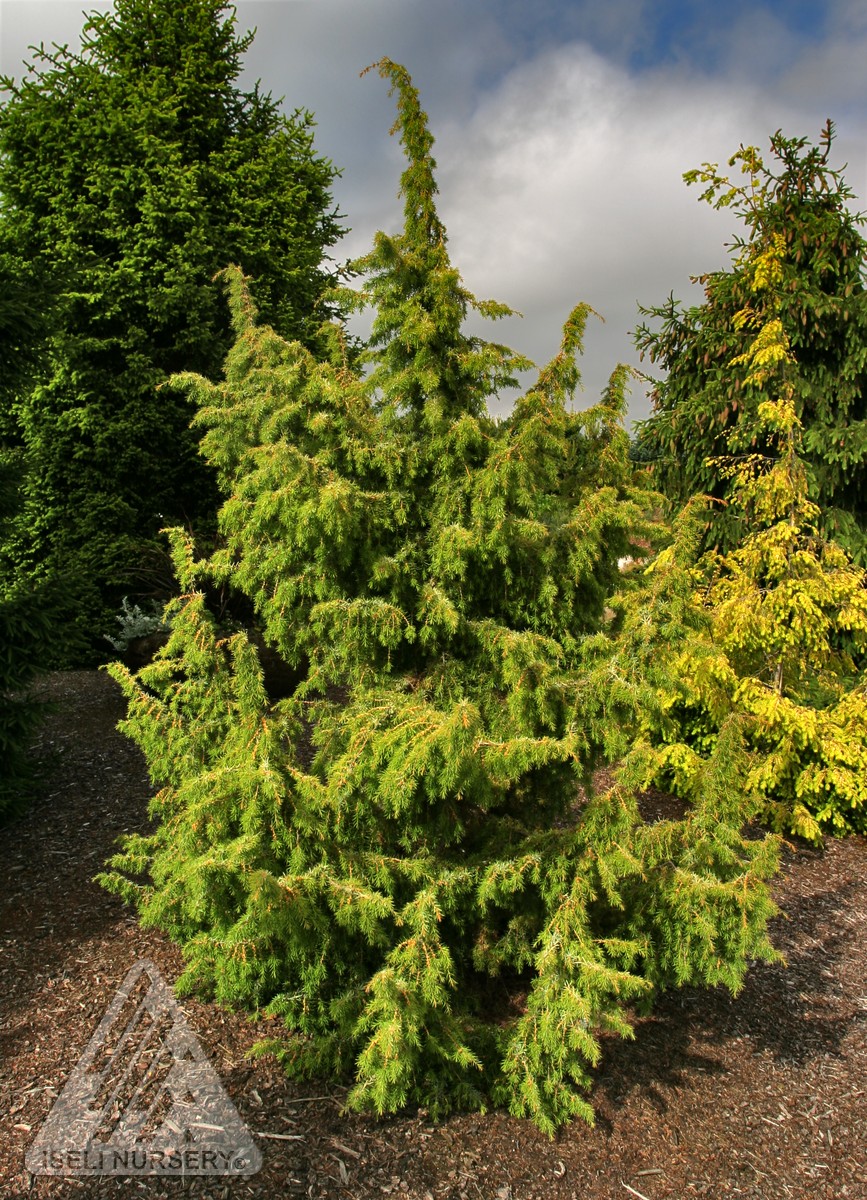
397,858
136,621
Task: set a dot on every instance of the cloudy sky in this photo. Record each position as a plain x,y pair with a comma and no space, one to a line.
562,128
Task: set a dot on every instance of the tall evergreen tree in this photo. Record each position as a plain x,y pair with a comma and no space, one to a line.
704,408
396,858
787,609
25,619
130,174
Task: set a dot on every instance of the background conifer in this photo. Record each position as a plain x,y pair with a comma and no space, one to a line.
25,614
704,408
788,607
130,173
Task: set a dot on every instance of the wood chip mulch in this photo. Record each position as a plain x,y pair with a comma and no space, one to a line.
759,1096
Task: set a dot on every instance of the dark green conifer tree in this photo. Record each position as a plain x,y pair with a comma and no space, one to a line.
130,174
25,617
397,858
704,409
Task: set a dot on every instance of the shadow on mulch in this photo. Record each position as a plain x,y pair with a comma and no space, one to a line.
791,1013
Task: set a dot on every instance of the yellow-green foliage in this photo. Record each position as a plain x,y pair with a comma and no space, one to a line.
799,267
788,612
396,858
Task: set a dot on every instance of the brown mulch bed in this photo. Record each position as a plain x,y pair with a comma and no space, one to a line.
759,1096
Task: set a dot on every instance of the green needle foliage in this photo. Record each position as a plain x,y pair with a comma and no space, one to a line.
25,619
788,608
24,633
704,407
398,859
130,174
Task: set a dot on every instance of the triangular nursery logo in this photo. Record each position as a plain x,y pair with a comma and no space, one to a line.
143,1099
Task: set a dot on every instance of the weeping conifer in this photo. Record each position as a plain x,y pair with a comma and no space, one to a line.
397,858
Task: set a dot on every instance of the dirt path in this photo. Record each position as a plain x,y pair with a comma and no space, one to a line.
763,1096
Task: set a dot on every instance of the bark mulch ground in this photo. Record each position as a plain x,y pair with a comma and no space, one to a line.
759,1096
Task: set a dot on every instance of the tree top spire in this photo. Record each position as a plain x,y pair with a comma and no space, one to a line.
417,183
